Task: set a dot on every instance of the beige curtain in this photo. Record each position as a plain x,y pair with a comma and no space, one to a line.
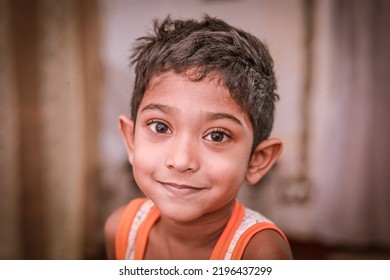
343,197
49,77
353,205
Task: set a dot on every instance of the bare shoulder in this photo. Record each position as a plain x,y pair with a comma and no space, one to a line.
267,245
110,228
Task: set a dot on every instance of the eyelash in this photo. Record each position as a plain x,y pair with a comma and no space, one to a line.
225,132
157,121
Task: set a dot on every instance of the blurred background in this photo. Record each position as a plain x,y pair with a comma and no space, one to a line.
64,79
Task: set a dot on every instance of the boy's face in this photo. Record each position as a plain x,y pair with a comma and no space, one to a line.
191,147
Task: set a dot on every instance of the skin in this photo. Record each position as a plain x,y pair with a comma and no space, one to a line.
190,149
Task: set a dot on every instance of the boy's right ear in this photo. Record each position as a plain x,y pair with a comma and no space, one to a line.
126,128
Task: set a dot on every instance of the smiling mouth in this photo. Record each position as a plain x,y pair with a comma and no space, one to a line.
180,189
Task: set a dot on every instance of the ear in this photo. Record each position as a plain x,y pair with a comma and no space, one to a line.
126,128
262,159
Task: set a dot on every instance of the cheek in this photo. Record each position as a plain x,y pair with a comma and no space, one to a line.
228,170
143,172
142,159
148,158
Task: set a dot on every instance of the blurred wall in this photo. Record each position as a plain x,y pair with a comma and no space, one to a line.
351,155
49,76
65,78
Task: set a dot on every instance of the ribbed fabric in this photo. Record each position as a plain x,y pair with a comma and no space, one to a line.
140,215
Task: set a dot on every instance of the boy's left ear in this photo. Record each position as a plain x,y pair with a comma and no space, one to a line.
262,159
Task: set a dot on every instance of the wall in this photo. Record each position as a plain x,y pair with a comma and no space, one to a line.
49,101
65,78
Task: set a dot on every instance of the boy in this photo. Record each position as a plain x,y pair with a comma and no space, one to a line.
202,112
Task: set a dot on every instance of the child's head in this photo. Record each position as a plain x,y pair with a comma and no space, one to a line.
214,50
202,111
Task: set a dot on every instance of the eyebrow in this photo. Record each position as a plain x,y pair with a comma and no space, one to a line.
218,116
210,115
159,107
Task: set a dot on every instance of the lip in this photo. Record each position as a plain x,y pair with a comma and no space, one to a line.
180,189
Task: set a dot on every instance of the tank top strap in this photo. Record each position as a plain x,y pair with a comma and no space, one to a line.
242,226
221,249
141,214
252,223
149,216
132,217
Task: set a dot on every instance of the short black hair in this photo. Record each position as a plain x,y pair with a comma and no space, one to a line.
210,48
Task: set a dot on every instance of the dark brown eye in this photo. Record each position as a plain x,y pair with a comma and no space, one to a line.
161,128
217,136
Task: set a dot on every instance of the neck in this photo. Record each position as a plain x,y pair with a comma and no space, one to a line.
201,234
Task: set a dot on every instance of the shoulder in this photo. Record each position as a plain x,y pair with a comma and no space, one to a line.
267,245
110,229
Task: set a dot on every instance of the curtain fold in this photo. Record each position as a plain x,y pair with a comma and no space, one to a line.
355,207
50,82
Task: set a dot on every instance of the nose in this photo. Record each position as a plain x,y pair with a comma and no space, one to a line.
183,154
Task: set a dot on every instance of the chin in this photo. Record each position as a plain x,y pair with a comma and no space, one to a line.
180,215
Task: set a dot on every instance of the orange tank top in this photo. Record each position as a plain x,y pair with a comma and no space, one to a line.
141,214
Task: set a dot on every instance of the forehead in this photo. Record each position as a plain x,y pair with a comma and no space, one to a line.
208,92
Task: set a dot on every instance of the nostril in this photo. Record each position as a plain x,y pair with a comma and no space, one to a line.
183,159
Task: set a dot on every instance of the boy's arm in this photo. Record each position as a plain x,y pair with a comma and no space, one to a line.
267,245
110,228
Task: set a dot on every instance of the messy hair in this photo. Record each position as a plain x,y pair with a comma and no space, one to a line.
210,49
